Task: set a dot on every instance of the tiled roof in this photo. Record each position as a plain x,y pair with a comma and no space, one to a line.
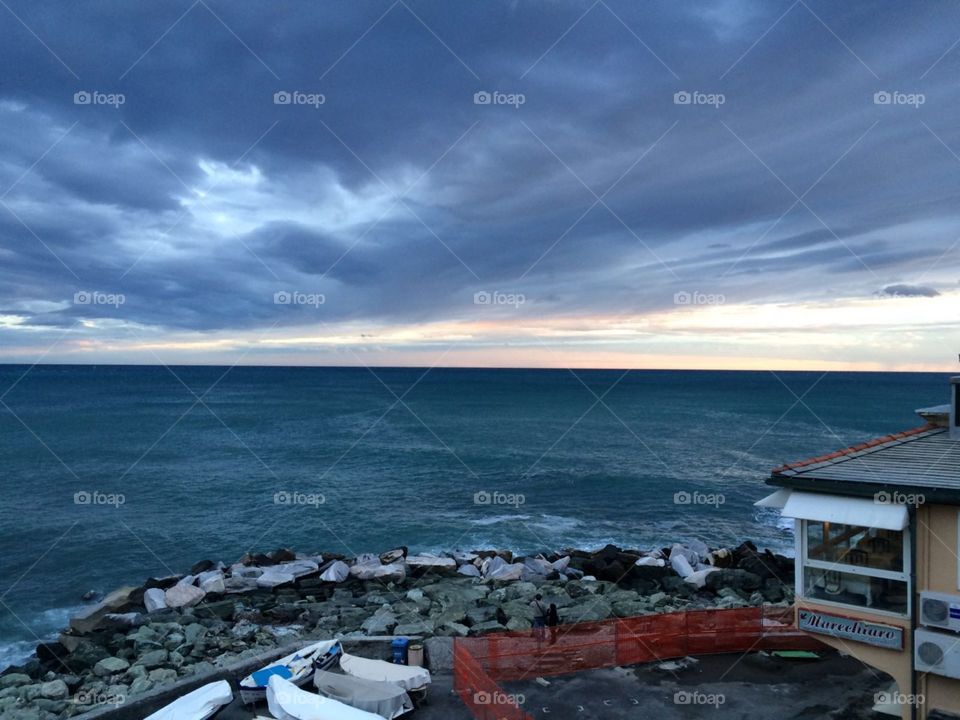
922,457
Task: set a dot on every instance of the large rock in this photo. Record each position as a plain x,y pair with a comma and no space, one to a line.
212,582
154,599
54,690
419,564
89,619
110,666
381,622
183,595
153,659
735,579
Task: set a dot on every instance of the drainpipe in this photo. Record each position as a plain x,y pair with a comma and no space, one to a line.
915,610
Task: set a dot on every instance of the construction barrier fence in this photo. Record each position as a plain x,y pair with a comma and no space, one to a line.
481,663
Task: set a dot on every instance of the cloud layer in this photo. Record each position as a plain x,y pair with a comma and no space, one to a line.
348,183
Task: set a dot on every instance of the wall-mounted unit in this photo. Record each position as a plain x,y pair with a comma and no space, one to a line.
939,610
937,653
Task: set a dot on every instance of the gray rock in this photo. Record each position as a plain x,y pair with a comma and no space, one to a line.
381,622
486,627
54,690
152,659
154,599
14,679
140,686
421,627
160,676
110,666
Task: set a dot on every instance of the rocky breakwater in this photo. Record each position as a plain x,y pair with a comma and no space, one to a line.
137,638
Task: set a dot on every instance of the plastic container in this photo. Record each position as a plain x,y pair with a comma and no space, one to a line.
400,646
415,654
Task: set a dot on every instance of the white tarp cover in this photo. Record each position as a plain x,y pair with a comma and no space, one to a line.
288,702
409,677
864,512
197,705
382,698
338,572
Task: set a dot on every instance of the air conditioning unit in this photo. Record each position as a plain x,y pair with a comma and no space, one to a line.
937,653
940,610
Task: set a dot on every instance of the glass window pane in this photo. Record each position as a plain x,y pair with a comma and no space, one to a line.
855,545
856,590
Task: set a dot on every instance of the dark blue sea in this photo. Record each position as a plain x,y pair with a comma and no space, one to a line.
110,474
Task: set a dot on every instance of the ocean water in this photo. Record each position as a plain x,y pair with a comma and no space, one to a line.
110,474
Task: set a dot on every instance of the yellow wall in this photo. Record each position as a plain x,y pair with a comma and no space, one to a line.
937,571
937,568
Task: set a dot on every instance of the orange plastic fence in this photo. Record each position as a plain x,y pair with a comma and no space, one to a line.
481,662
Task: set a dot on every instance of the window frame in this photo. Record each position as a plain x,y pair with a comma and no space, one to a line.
800,531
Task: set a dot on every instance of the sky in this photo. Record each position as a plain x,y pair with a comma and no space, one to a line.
719,184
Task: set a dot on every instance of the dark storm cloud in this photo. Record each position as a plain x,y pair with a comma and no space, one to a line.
906,290
198,197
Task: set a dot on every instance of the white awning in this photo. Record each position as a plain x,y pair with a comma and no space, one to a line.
864,512
774,500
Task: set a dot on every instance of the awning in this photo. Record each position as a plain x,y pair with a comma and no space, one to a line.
774,500
839,509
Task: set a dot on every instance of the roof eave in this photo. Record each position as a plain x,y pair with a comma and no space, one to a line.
931,495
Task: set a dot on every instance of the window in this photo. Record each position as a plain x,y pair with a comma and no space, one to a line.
856,566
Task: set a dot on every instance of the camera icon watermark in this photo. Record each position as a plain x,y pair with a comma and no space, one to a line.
485,497
496,297
95,97
895,97
695,697
685,297
296,97
85,497
288,497
285,297
896,497
695,97
95,297
483,97
684,497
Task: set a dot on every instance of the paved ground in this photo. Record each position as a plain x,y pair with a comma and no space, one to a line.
756,688
719,687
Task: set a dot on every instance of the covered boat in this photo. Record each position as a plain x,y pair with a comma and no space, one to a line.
197,705
288,702
384,699
409,677
297,667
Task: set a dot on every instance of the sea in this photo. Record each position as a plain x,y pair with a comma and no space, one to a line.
112,474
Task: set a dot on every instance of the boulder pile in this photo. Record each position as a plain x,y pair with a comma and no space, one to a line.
137,638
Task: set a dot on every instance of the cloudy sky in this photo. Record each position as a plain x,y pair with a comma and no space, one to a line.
717,184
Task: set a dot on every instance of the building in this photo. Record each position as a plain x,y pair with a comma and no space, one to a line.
878,556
